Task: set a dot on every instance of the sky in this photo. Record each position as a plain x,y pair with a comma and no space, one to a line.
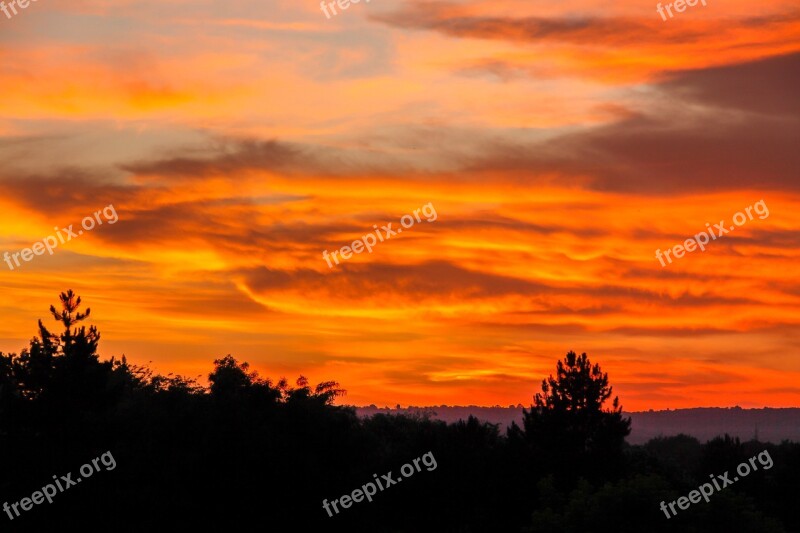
559,144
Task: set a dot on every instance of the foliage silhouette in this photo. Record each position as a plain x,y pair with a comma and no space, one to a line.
247,452
568,426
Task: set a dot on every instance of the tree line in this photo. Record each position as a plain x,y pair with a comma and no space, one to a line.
245,451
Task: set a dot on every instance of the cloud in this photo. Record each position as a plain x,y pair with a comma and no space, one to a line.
431,281
769,86
454,21
619,44
609,31
404,286
231,157
734,141
62,192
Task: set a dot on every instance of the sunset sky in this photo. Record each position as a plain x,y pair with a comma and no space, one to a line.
561,144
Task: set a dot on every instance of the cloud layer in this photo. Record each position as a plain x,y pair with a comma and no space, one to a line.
561,145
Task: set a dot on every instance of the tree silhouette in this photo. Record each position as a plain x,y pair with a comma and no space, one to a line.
72,343
230,377
227,456
578,386
567,425
323,393
64,367
33,369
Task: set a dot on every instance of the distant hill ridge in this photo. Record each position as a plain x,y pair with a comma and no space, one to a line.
704,423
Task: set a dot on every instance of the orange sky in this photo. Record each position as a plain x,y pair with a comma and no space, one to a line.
561,144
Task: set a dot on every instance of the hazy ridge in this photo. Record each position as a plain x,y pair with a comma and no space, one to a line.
703,423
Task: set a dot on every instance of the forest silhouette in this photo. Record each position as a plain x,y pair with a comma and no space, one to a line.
248,452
